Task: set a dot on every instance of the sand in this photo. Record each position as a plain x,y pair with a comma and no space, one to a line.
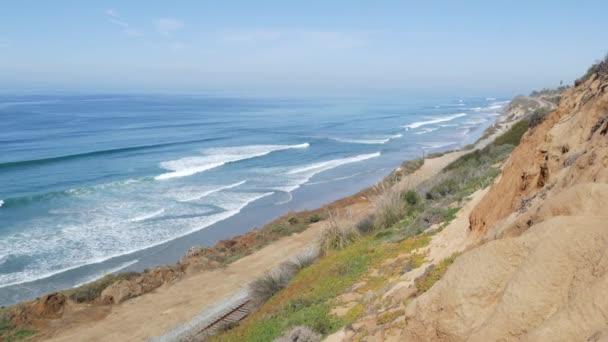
154,314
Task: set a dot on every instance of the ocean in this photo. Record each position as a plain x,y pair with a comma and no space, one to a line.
95,184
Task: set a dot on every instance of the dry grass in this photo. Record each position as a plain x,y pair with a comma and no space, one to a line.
339,233
306,258
271,282
389,207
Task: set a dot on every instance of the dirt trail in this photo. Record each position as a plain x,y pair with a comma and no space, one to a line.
154,314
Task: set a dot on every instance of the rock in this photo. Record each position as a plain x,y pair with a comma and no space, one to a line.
196,264
300,334
49,306
407,267
121,291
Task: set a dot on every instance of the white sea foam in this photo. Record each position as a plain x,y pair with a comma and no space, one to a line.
475,121
491,107
427,130
490,98
216,157
302,174
362,141
289,198
434,121
434,145
103,238
335,179
212,191
147,216
330,164
379,141
1,203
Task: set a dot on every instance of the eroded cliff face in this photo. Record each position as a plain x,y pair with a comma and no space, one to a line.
568,148
538,270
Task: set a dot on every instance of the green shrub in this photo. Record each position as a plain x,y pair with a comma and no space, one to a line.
443,189
9,332
537,117
411,198
366,224
315,218
600,68
513,135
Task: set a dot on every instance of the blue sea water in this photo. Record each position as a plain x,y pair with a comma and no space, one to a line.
94,184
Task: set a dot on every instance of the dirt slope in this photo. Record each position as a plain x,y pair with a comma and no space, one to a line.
540,269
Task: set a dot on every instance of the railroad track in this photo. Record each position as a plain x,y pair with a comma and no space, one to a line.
211,321
232,316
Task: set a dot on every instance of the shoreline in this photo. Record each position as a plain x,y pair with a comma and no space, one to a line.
171,295
175,244
181,300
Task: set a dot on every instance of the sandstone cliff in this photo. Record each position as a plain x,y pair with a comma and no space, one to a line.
537,269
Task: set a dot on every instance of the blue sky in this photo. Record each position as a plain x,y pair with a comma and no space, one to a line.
449,47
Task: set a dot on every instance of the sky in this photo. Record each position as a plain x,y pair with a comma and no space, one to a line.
420,47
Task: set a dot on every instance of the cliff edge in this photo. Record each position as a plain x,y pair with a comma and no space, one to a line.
537,268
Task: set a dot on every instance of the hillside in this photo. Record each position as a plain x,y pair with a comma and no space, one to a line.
503,242
521,256
537,269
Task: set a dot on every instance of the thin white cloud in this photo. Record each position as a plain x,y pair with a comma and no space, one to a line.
168,26
126,28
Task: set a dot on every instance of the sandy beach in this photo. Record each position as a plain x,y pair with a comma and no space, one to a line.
156,313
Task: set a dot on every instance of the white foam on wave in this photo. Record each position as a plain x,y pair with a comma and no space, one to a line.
475,121
216,157
147,216
433,121
490,98
289,198
1,203
335,179
434,145
212,191
91,242
330,164
427,130
362,141
302,174
491,107
380,141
